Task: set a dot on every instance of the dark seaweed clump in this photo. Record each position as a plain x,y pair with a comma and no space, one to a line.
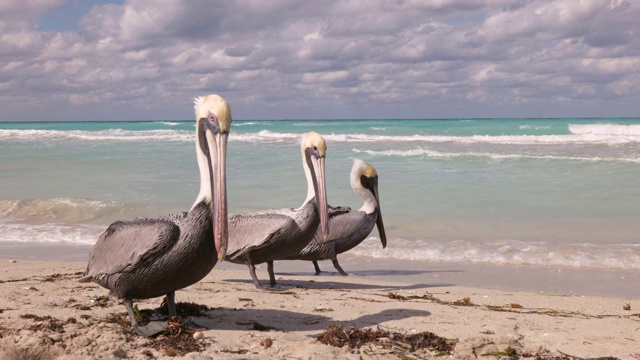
338,336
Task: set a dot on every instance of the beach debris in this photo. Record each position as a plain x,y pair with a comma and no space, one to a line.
101,301
515,306
626,306
249,302
322,309
198,335
52,278
338,336
509,352
12,261
466,301
397,297
256,325
32,288
238,352
267,343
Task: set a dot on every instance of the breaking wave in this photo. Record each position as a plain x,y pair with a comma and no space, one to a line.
63,210
104,135
438,154
606,130
578,255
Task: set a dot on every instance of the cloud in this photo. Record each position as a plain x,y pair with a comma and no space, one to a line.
146,60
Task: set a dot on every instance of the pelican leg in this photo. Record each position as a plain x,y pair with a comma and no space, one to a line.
337,266
315,264
272,276
128,303
252,271
148,330
171,304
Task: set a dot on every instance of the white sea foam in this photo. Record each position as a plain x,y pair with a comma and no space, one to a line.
581,134
50,233
236,124
579,255
437,154
104,135
169,123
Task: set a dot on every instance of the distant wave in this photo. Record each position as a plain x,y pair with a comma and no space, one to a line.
234,124
59,210
438,154
167,123
535,127
306,124
621,256
264,135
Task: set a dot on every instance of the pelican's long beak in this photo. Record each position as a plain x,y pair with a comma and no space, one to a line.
321,195
379,223
217,141
220,223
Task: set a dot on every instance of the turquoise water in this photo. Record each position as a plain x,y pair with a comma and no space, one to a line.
548,192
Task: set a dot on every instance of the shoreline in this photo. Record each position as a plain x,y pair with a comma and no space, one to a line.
480,321
618,283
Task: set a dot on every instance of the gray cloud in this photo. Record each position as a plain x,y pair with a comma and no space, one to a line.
322,59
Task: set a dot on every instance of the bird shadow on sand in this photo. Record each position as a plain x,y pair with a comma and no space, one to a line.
288,284
285,320
333,280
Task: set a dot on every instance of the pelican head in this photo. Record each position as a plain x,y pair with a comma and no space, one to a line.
364,180
314,149
213,123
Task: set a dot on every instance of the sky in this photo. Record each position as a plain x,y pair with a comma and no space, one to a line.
284,59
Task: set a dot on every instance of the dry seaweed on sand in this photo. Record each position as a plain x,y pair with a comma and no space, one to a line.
338,336
47,323
177,339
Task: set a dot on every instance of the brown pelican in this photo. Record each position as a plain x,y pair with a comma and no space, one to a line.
150,257
349,228
274,234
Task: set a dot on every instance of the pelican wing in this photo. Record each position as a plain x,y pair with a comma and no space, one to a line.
128,244
257,230
343,223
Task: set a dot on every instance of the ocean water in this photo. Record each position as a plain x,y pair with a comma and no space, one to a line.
544,192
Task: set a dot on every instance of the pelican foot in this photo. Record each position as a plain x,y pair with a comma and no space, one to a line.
152,328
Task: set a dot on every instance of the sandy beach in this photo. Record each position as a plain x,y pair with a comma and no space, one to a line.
45,312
